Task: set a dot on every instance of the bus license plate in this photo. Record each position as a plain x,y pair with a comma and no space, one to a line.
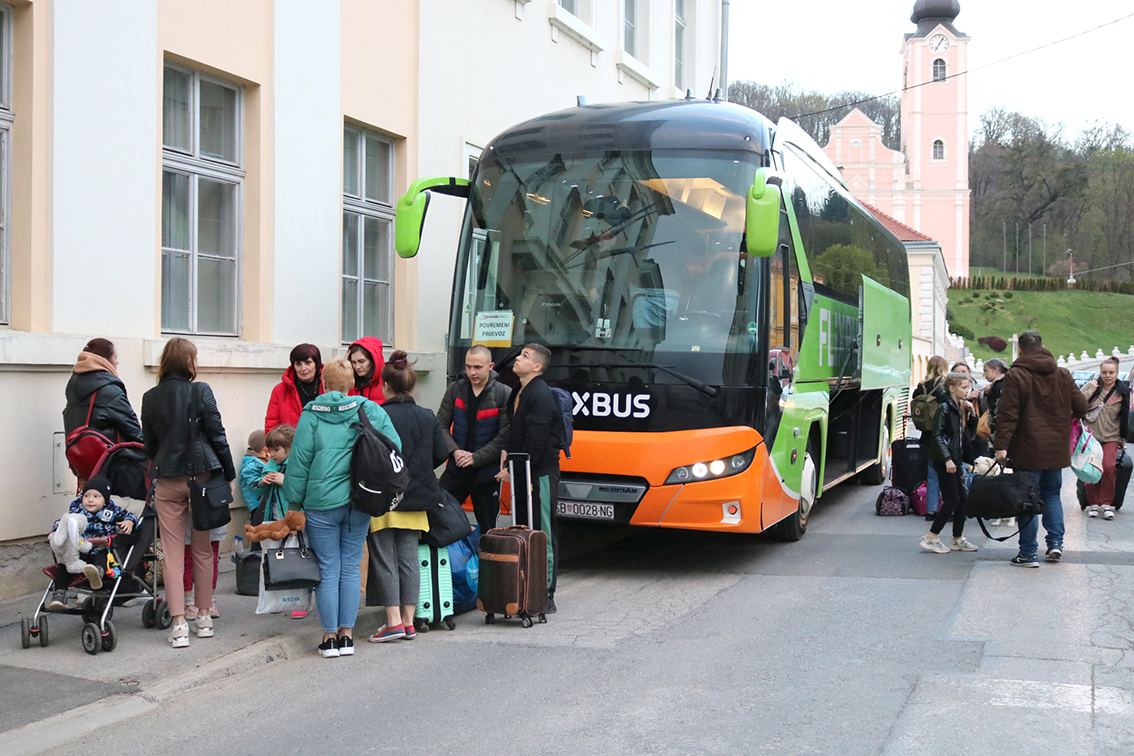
585,510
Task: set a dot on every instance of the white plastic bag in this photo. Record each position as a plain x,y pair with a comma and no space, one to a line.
274,602
1087,458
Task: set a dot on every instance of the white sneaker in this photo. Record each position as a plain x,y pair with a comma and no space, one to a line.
933,545
203,626
994,522
962,544
1108,512
1093,511
1008,522
179,636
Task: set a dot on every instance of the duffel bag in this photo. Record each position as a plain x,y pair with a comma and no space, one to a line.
1010,494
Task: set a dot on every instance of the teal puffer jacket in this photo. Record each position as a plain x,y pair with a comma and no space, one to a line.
318,468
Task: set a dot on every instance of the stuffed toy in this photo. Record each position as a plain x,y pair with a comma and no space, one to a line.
67,542
276,530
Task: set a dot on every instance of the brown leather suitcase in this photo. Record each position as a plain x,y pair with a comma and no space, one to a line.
513,561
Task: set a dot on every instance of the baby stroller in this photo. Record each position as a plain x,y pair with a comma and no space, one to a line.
125,466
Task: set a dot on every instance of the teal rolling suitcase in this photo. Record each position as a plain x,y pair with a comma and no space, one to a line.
435,603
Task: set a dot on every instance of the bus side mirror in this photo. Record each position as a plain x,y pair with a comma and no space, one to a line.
762,217
409,218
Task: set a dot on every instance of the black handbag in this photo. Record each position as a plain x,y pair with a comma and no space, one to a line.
208,499
290,567
1010,494
448,522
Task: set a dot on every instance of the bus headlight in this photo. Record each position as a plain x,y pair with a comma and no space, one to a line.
710,470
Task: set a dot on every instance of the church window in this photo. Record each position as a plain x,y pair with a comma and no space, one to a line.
939,70
938,150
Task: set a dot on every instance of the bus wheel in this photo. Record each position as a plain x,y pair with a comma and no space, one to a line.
877,473
793,527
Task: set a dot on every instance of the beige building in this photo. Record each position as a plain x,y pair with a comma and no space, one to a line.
227,170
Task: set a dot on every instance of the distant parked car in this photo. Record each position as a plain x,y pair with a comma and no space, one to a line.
1083,377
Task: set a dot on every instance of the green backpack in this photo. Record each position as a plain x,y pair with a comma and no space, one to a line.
923,408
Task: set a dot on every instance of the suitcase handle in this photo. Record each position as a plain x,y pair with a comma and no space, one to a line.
525,459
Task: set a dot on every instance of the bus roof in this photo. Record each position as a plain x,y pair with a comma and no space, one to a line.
670,124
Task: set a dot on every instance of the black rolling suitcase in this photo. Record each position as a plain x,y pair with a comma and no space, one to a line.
909,468
1124,465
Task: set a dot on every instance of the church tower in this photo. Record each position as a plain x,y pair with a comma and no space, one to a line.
934,136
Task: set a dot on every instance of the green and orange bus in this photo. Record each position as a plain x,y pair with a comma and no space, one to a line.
732,325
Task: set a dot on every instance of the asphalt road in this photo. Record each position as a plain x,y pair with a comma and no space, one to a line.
852,641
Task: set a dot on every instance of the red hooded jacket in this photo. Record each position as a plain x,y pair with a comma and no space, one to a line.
284,406
372,390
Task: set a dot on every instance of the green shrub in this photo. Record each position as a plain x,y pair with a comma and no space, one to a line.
963,331
1007,295
976,295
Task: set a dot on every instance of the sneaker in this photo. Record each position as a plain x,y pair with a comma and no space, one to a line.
385,633
190,609
58,601
93,575
1008,522
1093,511
329,649
1054,554
213,609
550,605
179,636
930,516
962,544
1108,512
411,632
1023,561
345,646
298,614
203,627
934,545
994,522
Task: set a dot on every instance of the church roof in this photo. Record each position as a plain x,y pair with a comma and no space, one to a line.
896,227
929,14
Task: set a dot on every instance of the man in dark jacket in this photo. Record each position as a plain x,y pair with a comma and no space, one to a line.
535,427
474,410
1033,432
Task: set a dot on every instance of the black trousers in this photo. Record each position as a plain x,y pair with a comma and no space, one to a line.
545,498
462,483
953,495
64,578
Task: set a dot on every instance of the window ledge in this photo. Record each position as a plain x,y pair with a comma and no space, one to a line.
574,27
229,355
636,69
23,350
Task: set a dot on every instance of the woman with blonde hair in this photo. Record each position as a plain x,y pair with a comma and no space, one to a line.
948,450
933,384
1108,411
184,443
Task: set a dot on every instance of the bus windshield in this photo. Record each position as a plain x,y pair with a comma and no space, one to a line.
623,252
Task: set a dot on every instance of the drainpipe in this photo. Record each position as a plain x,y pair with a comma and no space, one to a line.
724,50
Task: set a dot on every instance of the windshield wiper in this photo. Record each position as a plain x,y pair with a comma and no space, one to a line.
710,391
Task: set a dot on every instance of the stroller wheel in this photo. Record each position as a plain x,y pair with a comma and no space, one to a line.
110,637
165,619
92,638
25,632
149,614
43,632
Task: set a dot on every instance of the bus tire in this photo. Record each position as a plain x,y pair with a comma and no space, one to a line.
877,473
792,527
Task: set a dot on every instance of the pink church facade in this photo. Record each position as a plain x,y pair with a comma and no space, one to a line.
926,184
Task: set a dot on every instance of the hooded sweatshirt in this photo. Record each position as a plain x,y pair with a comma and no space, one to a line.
373,388
112,414
1037,404
318,467
285,405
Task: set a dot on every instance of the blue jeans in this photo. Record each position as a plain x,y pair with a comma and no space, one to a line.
1050,482
932,490
337,536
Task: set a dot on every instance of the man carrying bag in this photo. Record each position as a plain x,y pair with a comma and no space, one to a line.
1033,429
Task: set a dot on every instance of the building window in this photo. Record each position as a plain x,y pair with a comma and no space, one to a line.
938,150
571,6
939,70
201,187
630,27
679,29
368,230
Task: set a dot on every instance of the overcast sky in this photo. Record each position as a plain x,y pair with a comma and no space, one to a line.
832,45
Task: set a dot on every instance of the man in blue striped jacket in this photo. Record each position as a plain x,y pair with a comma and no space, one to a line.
473,418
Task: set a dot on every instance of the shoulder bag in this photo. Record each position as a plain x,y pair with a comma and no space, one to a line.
85,446
289,567
448,522
1009,494
1094,412
208,499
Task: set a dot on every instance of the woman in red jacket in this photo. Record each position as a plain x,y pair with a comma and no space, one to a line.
301,383
366,358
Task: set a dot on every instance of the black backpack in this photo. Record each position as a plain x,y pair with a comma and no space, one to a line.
378,475
565,407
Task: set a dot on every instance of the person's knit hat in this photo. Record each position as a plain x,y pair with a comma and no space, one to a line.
98,483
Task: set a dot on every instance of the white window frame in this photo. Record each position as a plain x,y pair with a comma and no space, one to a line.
686,22
192,164
6,120
933,149
944,70
381,210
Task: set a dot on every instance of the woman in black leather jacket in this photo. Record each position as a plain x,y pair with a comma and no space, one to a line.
948,449
179,451
95,379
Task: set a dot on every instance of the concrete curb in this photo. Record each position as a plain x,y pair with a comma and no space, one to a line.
47,734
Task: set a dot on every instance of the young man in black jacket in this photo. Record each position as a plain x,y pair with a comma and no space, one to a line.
474,408
535,427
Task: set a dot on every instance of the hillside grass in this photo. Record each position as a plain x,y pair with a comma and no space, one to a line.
1069,321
